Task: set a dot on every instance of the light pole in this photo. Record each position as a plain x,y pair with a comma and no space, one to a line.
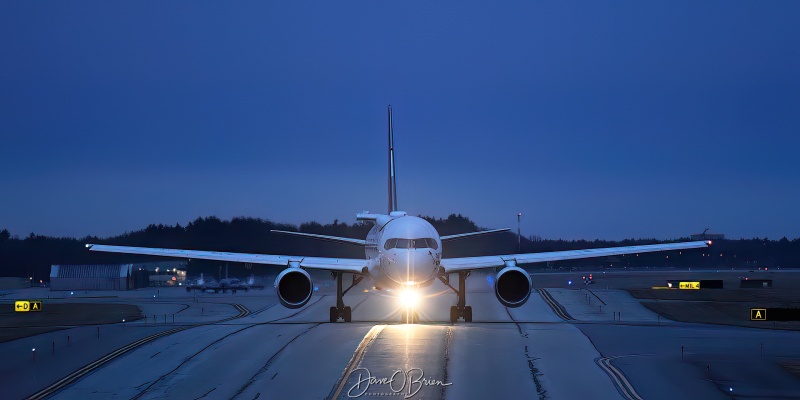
519,237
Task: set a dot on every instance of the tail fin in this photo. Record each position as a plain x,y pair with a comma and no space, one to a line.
392,176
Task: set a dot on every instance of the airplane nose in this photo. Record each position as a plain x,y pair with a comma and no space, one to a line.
410,267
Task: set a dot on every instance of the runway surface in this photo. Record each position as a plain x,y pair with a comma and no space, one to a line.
565,343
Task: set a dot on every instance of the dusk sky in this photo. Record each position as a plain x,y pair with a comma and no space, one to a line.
628,119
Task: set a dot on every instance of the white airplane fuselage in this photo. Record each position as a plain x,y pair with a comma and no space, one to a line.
403,252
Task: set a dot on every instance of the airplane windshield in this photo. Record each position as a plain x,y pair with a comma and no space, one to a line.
423,243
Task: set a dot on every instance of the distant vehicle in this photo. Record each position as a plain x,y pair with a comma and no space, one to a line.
404,253
251,281
232,284
202,285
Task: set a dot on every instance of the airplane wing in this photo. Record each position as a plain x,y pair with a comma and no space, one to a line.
339,239
469,263
470,234
334,264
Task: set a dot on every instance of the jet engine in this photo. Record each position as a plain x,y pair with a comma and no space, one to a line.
512,286
294,287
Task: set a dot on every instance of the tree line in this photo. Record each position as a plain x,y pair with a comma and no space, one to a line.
33,255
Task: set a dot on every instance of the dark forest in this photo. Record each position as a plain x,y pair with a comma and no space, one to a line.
33,255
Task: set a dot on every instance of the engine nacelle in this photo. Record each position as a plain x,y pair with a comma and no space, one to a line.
294,287
512,286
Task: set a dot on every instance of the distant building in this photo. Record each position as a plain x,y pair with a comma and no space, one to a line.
92,277
162,273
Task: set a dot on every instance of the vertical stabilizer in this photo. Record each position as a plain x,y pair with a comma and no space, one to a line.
392,176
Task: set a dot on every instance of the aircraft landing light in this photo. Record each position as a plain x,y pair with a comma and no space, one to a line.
409,298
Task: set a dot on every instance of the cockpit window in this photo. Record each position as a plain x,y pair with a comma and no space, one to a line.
423,243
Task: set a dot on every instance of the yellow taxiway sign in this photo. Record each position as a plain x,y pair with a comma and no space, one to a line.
28,305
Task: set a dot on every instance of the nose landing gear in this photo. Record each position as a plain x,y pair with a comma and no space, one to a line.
409,298
409,316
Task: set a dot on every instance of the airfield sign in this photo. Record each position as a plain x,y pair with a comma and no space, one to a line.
775,314
28,305
689,285
758,314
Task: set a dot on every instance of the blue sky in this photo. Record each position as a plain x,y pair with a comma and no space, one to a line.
596,121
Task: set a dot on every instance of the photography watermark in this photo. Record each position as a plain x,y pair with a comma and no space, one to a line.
401,382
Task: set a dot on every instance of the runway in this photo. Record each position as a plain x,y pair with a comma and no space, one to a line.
564,343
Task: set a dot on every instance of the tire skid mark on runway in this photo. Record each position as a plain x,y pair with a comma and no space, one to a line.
269,362
92,366
297,312
165,376
596,296
555,305
206,394
244,313
355,359
620,380
540,391
262,309
448,340
88,368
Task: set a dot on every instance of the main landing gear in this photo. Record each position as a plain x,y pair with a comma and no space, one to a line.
342,311
460,310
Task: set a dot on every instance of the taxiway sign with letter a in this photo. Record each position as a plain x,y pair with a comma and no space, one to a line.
28,305
758,314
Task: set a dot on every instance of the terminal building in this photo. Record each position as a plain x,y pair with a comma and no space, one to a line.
92,277
117,276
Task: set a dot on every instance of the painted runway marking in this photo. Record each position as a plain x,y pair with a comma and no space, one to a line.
357,356
620,381
557,308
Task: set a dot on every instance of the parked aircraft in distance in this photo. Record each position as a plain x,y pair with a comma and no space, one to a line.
403,252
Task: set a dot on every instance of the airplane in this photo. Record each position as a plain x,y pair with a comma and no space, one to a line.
232,284
404,253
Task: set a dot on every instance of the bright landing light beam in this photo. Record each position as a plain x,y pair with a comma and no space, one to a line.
409,298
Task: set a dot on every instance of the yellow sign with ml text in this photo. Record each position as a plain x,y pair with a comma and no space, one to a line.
689,285
28,305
